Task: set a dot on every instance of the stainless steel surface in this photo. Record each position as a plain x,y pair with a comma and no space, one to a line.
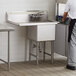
4,28
66,42
37,52
3,61
8,62
8,50
47,53
52,52
30,49
38,15
40,21
44,50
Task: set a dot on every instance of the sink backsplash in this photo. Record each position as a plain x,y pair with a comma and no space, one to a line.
27,16
38,17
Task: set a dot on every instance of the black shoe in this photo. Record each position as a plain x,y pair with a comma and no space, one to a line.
71,67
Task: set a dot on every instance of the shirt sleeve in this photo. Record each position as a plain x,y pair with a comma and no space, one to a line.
67,7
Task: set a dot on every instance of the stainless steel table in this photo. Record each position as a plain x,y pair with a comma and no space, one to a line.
4,28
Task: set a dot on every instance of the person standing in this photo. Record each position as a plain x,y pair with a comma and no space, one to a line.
70,10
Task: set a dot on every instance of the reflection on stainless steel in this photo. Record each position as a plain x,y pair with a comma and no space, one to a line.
38,16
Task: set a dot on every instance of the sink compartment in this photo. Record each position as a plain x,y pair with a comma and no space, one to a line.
41,33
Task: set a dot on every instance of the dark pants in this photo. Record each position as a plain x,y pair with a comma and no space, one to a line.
71,26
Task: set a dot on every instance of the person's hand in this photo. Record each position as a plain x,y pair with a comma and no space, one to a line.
63,20
64,17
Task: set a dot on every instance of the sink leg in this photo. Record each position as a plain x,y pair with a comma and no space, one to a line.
8,51
30,49
44,50
52,52
37,52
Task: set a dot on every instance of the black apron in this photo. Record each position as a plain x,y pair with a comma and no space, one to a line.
71,26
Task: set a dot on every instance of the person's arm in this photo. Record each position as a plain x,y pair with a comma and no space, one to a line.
64,16
67,9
